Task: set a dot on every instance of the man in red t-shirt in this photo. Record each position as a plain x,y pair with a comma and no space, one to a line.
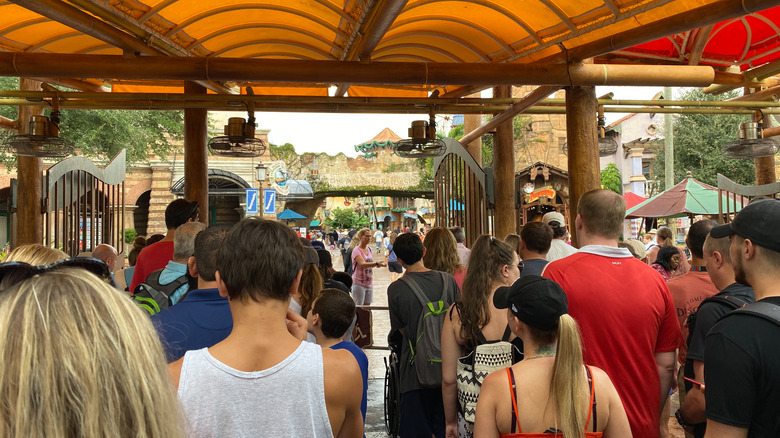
624,309
156,256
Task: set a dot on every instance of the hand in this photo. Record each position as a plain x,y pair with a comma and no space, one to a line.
297,325
451,430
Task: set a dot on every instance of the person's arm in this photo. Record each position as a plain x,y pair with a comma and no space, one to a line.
692,410
664,361
343,393
174,372
720,430
450,352
488,402
364,264
617,425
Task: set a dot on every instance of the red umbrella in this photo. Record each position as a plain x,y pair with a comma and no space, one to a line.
747,42
633,199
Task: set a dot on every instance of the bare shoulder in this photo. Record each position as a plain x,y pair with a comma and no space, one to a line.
603,383
174,371
340,366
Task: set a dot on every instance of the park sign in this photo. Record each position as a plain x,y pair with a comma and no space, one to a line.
542,192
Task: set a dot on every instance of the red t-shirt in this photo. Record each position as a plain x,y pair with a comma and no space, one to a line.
151,258
626,315
688,291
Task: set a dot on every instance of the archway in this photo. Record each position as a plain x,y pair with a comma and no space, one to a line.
227,196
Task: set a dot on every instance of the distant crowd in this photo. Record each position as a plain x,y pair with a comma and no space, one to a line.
248,330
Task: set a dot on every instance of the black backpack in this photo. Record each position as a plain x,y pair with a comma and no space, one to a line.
153,296
729,301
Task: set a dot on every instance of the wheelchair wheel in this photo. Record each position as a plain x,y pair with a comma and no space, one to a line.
392,395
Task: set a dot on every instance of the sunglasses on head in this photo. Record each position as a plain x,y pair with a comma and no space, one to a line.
20,271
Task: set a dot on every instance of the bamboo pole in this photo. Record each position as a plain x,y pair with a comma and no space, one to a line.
504,165
287,70
196,180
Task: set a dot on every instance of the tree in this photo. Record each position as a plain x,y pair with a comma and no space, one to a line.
698,139
611,179
106,132
340,218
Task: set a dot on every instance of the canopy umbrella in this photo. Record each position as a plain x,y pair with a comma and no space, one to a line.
633,199
288,214
688,198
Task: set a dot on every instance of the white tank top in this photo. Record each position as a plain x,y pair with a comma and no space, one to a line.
287,399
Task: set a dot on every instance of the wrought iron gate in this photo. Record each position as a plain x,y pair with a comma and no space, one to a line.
84,205
460,192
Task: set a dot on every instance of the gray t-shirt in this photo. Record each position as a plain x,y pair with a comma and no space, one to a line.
405,310
287,399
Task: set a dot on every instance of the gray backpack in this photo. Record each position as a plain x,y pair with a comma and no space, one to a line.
426,349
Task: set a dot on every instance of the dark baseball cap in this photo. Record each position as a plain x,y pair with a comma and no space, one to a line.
758,222
535,300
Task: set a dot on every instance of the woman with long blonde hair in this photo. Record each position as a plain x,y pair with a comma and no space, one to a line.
550,392
441,254
362,269
34,254
79,359
474,320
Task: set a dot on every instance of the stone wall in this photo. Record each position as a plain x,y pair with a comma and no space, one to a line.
543,139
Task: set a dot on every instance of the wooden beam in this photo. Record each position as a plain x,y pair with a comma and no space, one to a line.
698,17
583,154
531,99
372,29
196,180
75,84
504,165
403,73
83,22
699,43
10,124
769,94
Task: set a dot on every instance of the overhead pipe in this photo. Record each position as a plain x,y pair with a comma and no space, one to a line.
400,73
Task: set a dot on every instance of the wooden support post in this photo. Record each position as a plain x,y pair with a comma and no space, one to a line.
470,123
582,137
196,180
504,172
29,219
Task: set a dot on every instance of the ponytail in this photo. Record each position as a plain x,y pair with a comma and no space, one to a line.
568,379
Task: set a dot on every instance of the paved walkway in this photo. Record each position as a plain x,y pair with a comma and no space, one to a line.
375,423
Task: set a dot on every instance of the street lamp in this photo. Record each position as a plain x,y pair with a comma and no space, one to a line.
261,172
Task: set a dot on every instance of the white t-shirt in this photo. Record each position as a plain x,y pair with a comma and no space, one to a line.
378,235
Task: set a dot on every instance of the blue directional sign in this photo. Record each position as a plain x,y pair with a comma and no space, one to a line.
269,201
251,200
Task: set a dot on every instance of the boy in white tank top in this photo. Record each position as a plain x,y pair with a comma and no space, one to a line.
262,380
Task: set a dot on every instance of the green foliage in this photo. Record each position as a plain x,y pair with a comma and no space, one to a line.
519,131
697,142
611,179
130,235
105,132
345,218
285,152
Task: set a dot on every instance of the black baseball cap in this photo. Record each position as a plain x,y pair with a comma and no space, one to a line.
758,222
535,300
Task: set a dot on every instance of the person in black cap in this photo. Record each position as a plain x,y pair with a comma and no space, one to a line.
582,397
742,350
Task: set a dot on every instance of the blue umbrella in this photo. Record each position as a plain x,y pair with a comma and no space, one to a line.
288,214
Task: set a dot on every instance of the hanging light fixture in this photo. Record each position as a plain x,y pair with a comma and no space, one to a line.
607,143
239,139
42,138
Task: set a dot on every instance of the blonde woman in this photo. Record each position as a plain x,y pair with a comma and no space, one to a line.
550,392
362,269
441,254
79,359
35,254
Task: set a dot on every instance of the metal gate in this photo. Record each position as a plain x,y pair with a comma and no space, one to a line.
460,194
84,205
733,196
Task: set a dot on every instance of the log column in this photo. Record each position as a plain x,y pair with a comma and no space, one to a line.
29,219
504,172
582,138
196,180
470,123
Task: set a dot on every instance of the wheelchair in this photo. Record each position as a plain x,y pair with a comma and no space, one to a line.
392,390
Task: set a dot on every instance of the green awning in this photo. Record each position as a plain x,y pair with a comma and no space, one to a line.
314,223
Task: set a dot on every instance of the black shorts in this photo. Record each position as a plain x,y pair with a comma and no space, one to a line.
395,267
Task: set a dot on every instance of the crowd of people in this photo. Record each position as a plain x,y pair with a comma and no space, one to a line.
522,336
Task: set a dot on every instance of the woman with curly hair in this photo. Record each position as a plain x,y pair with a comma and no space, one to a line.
474,320
441,254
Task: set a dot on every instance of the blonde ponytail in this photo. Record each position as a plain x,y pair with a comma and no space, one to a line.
568,379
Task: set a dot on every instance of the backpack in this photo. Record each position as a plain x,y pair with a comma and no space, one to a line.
426,351
153,296
729,301
474,367
764,310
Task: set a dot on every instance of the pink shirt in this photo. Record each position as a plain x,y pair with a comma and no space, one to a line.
362,276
